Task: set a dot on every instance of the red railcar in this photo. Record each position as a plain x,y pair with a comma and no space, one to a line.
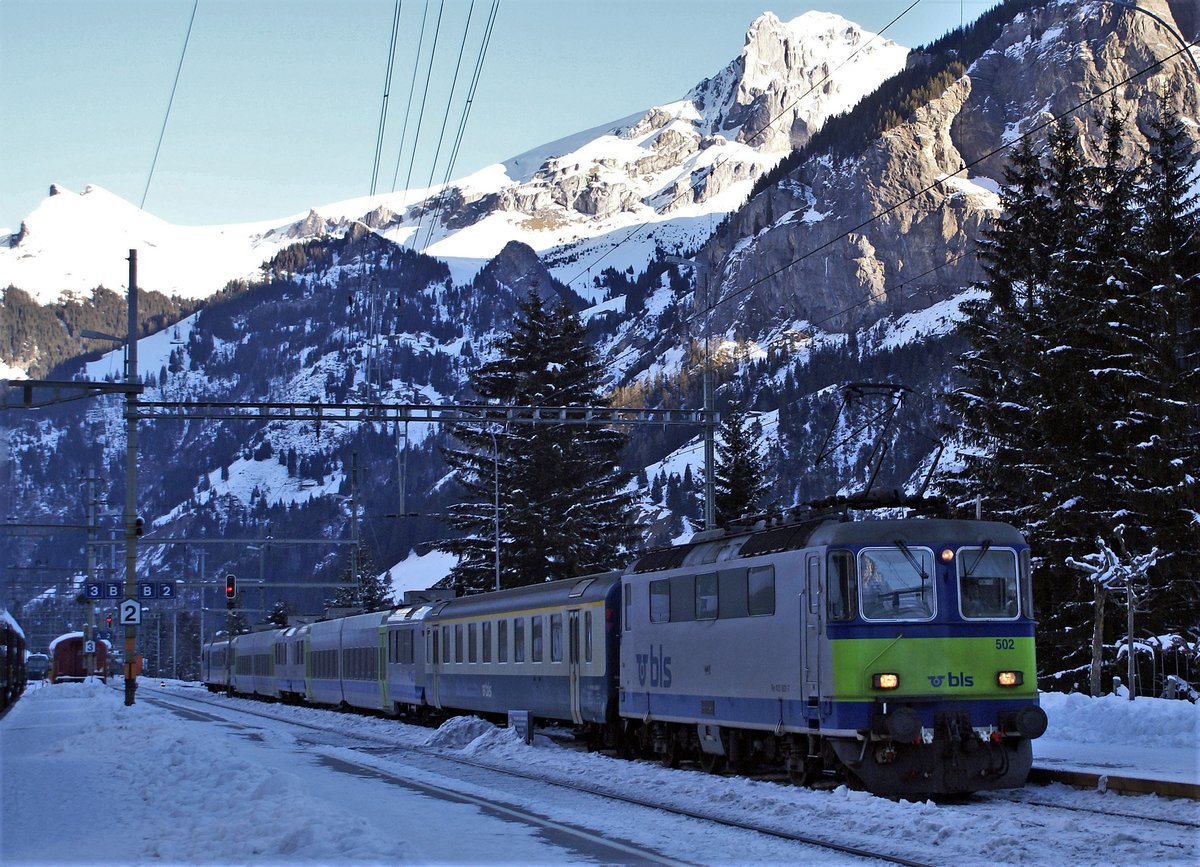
69,659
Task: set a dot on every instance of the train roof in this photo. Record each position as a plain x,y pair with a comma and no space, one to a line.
793,534
583,589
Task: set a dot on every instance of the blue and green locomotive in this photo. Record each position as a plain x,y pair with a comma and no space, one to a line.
899,653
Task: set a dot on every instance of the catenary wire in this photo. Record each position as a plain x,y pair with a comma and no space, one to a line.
170,102
387,87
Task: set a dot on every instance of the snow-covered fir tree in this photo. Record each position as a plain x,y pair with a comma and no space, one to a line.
556,489
1082,368
739,472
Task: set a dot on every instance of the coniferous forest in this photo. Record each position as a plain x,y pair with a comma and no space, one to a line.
1079,409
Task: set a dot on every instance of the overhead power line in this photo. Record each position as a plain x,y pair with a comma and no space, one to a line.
170,102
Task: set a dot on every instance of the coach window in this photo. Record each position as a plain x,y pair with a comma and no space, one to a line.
502,641
660,600
556,647
446,644
472,643
406,647
706,596
458,642
987,583
518,639
487,640
840,586
760,590
535,638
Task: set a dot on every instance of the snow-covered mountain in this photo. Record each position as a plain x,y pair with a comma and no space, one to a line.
678,168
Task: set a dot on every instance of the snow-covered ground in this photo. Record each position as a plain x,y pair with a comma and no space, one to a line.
86,780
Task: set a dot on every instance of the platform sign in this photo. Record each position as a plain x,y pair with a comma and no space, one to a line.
93,590
166,590
112,590
131,612
521,721
89,647
146,590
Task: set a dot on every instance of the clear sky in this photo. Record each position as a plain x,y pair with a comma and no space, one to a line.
278,102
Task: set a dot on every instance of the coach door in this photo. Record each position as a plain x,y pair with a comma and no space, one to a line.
573,663
433,654
810,615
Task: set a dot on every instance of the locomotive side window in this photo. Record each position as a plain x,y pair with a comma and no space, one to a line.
628,591
706,596
896,583
760,590
660,600
987,583
1026,584
840,590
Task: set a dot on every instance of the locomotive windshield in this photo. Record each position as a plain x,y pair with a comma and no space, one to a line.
987,583
895,583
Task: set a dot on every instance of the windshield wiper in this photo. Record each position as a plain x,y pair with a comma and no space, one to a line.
987,543
908,555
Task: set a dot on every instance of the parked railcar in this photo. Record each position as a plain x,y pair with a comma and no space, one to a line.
69,659
13,655
37,666
836,645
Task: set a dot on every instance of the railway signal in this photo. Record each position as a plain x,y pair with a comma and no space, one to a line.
230,586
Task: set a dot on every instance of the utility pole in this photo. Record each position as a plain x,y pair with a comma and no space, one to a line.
131,414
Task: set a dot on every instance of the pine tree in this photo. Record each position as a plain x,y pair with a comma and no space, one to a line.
561,505
1078,411
739,473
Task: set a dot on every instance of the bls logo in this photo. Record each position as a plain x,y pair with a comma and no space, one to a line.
951,679
659,668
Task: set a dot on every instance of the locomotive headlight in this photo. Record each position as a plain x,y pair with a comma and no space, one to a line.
947,555
1010,678
885,681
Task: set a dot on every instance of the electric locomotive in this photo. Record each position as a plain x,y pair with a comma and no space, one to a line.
899,653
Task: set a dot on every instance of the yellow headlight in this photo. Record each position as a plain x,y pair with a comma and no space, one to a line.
1010,678
947,555
885,681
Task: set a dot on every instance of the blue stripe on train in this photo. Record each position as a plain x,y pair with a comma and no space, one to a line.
793,714
547,697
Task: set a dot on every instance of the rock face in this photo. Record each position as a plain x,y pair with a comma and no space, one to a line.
840,242
758,108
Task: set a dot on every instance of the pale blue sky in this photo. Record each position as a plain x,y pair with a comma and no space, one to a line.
278,101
